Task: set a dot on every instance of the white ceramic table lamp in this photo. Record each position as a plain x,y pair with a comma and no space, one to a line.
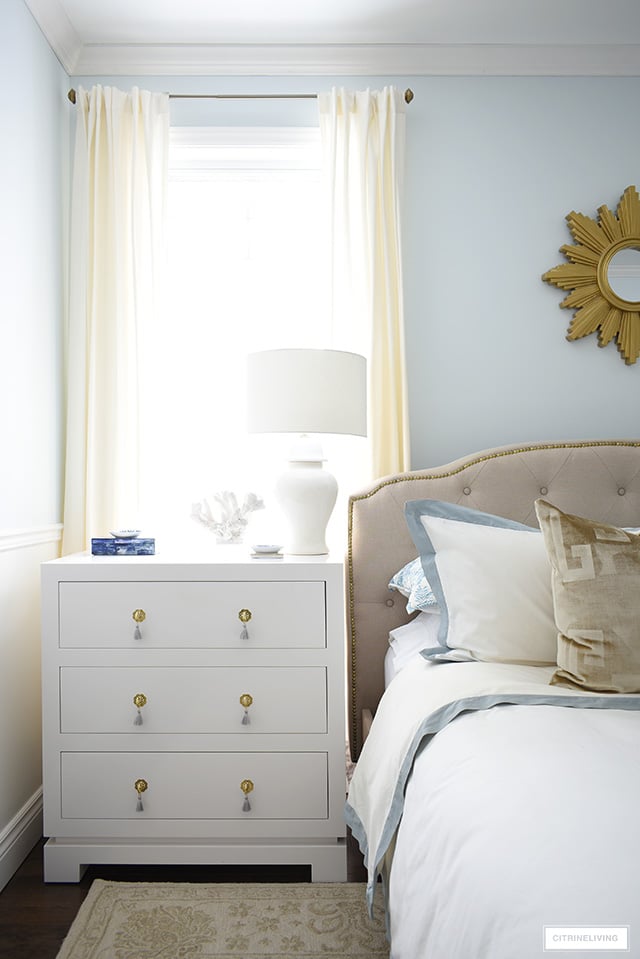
307,391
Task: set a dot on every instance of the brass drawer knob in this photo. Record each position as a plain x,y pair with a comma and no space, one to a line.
246,786
245,701
244,616
138,616
140,786
139,700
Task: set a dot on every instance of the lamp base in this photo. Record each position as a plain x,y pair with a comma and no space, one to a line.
306,494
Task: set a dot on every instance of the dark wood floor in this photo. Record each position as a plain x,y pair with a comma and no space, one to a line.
35,916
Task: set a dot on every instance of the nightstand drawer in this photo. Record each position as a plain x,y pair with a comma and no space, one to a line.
204,786
283,699
215,615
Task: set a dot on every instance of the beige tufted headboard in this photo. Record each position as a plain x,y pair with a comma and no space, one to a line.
599,479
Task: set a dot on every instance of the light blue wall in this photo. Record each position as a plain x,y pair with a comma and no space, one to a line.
33,190
33,121
493,166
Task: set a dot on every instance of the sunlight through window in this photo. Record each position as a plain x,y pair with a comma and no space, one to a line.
247,256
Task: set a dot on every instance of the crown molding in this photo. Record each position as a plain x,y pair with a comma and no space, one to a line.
58,30
416,59
384,59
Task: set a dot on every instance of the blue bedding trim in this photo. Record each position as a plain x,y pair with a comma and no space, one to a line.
431,725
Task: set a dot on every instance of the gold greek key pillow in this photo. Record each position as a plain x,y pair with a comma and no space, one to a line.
596,596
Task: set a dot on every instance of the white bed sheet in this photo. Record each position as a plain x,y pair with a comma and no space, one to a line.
406,641
516,816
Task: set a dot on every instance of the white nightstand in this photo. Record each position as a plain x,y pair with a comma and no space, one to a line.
193,711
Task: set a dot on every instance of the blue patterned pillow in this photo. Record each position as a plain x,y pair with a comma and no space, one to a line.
412,583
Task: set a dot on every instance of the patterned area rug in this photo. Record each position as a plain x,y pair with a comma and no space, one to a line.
149,920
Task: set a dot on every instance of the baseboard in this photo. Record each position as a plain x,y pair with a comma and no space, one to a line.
19,837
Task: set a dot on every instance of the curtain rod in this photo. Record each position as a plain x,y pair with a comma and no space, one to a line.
408,96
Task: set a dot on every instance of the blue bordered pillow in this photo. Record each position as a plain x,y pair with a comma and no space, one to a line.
491,578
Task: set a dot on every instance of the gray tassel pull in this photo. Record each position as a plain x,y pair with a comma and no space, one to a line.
245,701
246,786
140,786
138,616
139,700
244,616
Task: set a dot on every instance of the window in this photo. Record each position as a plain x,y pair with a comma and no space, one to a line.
247,253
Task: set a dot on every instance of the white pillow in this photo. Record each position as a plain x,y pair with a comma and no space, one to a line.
409,640
492,580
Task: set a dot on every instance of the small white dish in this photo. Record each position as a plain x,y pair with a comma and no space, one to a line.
125,533
266,549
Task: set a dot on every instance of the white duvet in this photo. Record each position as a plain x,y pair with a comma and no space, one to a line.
512,805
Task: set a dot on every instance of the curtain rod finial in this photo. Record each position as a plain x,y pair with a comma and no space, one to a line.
72,95
408,95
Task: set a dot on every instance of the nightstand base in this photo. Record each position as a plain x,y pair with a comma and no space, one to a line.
65,860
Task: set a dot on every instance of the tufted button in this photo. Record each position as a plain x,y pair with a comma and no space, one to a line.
466,491
390,602
621,491
543,491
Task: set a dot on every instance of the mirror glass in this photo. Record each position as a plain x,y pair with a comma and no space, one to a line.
624,274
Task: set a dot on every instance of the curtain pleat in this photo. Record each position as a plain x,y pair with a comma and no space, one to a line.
363,137
118,207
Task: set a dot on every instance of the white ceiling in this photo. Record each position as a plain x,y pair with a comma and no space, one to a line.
349,36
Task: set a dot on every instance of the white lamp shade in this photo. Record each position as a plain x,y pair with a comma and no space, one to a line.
307,391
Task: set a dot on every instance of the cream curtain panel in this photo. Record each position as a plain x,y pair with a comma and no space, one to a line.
363,136
116,264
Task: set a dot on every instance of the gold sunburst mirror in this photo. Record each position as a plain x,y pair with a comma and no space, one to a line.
603,274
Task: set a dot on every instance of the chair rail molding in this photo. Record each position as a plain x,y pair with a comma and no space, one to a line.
31,536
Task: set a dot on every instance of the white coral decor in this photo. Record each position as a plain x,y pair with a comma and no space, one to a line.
223,516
